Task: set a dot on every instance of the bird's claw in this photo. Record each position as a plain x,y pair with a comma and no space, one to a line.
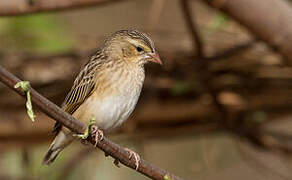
117,163
132,153
136,157
97,134
85,142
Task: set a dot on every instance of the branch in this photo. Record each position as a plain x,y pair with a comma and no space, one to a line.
74,125
205,75
191,25
203,64
268,20
21,7
239,48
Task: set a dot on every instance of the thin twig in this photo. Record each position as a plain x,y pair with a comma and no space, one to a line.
22,7
240,47
74,125
203,65
192,27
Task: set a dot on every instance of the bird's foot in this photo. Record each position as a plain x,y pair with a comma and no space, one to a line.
132,154
85,135
97,134
84,142
117,163
136,157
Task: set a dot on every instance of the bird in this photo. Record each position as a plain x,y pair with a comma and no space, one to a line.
107,87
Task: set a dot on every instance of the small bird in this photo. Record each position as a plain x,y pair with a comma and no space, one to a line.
108,87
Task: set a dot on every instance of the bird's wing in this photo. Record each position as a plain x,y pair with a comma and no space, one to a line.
82,87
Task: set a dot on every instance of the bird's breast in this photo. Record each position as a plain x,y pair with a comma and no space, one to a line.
109,110
114,98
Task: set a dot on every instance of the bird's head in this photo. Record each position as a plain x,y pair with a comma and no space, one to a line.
132,46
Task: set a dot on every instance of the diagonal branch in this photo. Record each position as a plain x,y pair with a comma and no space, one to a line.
239,48
21,7
67,120
191,25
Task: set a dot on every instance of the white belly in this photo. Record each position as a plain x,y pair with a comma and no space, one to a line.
109,112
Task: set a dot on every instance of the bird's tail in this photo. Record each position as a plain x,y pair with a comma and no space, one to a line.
60,142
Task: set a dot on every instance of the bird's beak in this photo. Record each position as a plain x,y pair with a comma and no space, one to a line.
154,57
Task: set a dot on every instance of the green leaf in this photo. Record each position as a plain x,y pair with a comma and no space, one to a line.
85,135
24,85
166,177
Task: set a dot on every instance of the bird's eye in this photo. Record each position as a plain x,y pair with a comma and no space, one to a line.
139,49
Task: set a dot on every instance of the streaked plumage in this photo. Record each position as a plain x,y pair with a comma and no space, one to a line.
108,87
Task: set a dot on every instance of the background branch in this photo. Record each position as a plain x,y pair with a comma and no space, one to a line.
67,120
192,27
202,63
268,20
21,7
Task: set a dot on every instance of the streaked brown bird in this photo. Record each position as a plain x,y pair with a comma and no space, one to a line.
108,87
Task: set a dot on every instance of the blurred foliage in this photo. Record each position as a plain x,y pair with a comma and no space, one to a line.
181,88
218,22
37,33
10,164
257,117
